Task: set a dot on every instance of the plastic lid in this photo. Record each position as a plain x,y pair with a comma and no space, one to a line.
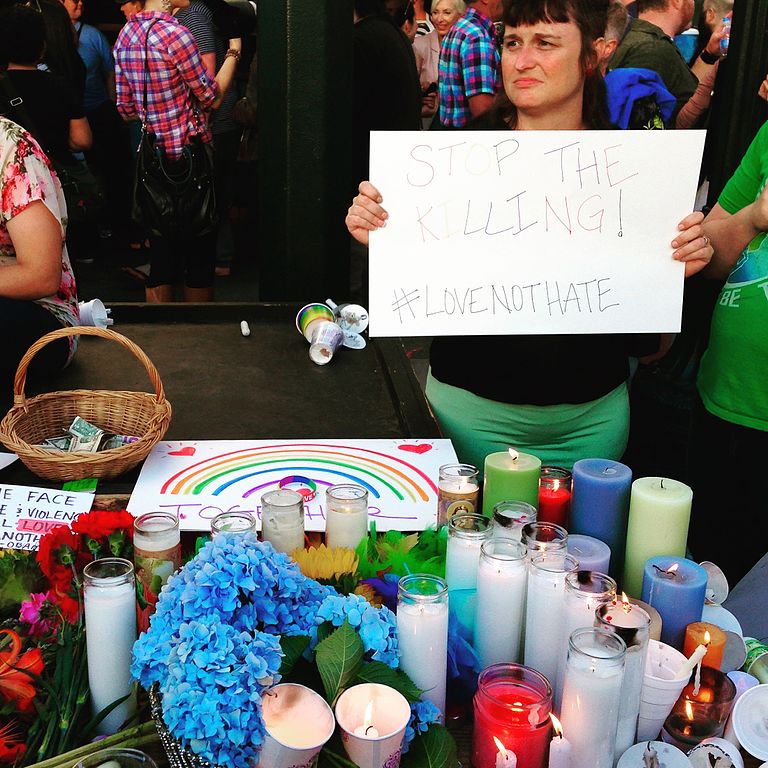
750,721
717,584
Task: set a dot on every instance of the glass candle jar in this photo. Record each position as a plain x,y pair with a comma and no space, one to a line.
697,716
509,517
585,592
544,609
554,495
233,522
346,515
466,535
544,536
156,555
282,519
501,582
512,704
422,633
458,489
591,697
633,625
109,597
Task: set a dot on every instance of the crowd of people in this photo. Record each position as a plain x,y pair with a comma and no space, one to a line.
586,65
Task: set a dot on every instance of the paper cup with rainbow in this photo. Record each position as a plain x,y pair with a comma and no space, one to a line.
308,317
660,689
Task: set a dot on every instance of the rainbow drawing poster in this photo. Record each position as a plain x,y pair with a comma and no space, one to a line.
198,479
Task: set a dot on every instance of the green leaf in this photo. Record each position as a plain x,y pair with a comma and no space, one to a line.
433,749
338,658
379,672
293,647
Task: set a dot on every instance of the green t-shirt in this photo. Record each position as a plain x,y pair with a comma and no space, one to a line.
733,377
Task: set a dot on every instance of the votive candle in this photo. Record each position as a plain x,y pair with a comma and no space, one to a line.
510,475
554,495
346,515
458,489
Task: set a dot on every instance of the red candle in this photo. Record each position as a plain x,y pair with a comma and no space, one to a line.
512,703
554,495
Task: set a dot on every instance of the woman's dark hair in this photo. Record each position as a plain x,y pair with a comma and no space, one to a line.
22,35
591,17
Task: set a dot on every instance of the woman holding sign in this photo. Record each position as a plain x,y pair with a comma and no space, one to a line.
561,398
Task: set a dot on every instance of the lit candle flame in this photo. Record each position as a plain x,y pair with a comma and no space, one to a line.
707,638
673,569
556,484
500,746
368,715
557,726
625,604
689,710
513,454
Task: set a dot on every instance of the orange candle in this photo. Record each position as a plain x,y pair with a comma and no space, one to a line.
701,633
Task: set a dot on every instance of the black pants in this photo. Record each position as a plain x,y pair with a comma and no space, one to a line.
192,261
729,522
23,323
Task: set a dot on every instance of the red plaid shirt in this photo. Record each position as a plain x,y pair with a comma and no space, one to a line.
178,88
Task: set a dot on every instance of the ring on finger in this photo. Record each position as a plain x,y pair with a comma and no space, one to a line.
706,240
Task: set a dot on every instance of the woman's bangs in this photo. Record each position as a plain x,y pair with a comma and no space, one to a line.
526,13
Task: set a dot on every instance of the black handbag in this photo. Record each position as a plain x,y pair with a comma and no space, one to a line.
173,197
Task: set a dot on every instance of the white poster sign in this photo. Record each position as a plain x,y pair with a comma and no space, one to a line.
198,479
530,232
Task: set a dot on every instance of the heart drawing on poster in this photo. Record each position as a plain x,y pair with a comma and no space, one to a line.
188,450
421,448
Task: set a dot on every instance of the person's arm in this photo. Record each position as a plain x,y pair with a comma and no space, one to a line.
365,214
702,68
185,56
123,95
480,103
691,244
226,74
80,137
479,63
699,103
36,238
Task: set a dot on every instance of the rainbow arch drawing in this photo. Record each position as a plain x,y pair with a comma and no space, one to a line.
249,471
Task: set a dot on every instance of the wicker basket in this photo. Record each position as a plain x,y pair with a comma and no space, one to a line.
30,421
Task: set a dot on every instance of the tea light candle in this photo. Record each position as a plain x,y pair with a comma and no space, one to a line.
600,505
711,637
366,730
502,576
592,554
544,610
632,625
659,513
458,490
554,495
282,519
504,757
585,592
559,747
509,518
675,587
591,696
422,633
544,536
510,475
346,515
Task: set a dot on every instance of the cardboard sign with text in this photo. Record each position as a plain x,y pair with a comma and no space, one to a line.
530,232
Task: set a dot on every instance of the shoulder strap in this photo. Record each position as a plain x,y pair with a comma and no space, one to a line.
19,109
146,72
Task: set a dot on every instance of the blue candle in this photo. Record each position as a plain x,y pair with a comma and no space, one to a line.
676,593
592,554
600,505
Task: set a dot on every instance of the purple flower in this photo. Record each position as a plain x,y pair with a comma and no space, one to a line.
32,613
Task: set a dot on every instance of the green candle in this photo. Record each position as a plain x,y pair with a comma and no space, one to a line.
510,476
659,512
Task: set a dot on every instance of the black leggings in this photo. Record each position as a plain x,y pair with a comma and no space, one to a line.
23,323
192,260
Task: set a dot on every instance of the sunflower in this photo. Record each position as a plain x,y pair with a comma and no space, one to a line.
336,567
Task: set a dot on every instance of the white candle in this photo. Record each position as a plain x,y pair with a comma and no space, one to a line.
585,592
296,717
366,730
422,632
501,582
559,747
695,658
633,625
544,610
505,758
110,631
346,516
591,697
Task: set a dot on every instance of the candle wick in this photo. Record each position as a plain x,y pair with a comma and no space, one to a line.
368,729
661,483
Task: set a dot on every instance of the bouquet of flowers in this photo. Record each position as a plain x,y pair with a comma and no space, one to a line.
238,618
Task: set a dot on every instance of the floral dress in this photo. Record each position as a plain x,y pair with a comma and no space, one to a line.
26,175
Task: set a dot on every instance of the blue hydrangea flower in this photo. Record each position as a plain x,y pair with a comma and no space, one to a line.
423,714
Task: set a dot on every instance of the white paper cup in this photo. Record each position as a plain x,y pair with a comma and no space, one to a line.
743,682
94,313
750,721
669,756
389,716
326,339
715,747
660,689
298,723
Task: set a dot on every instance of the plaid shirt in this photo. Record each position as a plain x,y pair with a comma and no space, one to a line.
469,65
178,88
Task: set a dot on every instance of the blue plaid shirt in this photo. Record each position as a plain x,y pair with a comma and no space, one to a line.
469,65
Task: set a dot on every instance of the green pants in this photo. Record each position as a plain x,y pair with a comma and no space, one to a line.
558,434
